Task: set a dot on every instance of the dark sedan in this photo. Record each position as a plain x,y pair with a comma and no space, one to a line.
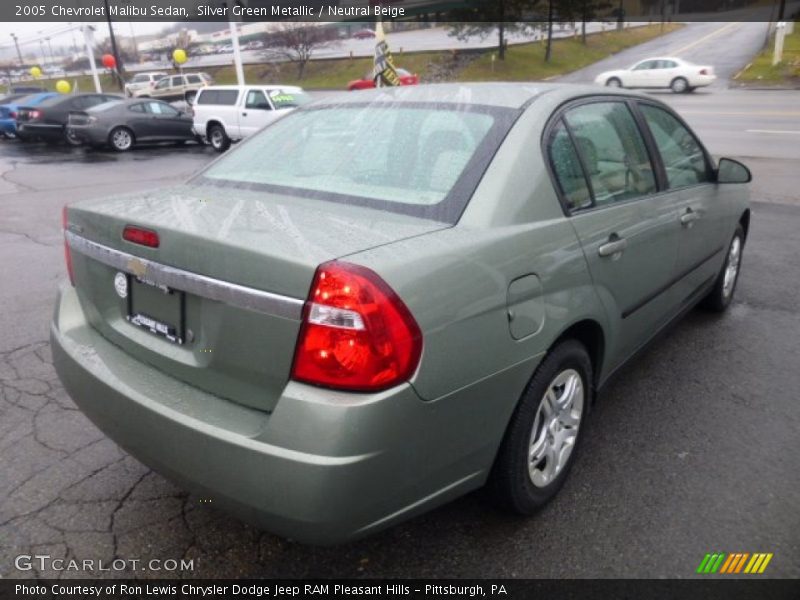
48,120
122,124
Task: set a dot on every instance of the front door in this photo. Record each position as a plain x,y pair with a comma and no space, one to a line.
689,181
256,113
627,235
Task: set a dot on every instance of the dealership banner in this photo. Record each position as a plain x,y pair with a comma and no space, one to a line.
408,589
371,10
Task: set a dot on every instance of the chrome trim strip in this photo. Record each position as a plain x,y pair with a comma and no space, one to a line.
199,285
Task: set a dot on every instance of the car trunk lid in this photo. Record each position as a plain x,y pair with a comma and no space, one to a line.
218,302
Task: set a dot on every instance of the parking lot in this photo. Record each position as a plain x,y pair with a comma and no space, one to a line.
693,449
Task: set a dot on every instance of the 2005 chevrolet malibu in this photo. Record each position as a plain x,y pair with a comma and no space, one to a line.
381,302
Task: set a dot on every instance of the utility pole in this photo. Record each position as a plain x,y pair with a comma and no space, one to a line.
549,49
781,10
114,47
19,54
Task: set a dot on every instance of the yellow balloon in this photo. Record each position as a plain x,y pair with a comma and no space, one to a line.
179,56
36,72
63,86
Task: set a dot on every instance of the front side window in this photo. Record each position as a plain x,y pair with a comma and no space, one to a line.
159,108
612,150
176,81
417,160
163,83
683,157
567,169
257,100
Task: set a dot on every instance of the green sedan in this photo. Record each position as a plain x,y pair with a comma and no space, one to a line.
381,302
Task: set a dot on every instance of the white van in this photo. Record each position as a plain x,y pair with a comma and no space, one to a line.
228,113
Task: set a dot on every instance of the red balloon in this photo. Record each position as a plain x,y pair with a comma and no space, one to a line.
109,61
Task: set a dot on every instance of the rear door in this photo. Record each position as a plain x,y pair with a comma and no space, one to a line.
689,184
138,119
626,231
256,112
642,74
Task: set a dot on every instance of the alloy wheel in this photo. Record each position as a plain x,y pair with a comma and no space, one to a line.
732,267
122,139
555,428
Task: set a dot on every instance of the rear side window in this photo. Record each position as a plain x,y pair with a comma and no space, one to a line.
194,79
683,157
224,97
567,169
612,150
139,108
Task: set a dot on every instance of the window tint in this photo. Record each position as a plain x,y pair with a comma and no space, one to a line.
138,108
683,157
257,99
193,79
567,168
612,150
648,64
176,80
668,64
225,97
162,83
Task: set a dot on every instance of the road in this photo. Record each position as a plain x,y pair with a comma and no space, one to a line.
694,449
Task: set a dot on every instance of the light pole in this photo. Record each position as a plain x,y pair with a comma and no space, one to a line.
114,47
19,54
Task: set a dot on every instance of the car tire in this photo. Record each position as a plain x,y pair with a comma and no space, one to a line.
121,139
70,138
721,295
218,139
556,400
679,85
614,82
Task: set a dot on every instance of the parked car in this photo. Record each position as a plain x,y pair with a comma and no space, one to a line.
229,113
127,123
381,302
674,73
143,81
10,107
47,120
176,87
368,81
363,34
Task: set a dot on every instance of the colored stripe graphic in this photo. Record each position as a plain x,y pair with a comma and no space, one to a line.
735,562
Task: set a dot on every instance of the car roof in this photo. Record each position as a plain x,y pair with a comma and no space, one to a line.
675,58
501,95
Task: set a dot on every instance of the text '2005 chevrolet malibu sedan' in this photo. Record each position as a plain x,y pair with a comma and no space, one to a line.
382,302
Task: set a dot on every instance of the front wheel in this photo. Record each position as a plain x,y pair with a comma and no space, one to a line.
121,139
218,139
540,442
614,82
721,295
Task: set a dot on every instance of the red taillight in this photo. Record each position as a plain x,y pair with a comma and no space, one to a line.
34,114
357,334
705,72
67,250
137,235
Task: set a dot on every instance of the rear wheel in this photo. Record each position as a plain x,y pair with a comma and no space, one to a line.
121,139
218,139
614,82
679,85
70,138
540,442
720,297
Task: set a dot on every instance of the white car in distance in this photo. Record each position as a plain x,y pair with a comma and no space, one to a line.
667,72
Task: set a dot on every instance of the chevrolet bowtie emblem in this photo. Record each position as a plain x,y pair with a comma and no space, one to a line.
137,267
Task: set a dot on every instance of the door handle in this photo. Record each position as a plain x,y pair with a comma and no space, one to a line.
244,114
613,247
689,217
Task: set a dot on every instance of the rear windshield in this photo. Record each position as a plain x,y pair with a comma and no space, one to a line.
226,97
142,77
419,159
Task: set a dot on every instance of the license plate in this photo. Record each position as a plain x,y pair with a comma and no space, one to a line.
157,309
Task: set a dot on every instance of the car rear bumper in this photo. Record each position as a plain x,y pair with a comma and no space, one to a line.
323,467
30,130
8,126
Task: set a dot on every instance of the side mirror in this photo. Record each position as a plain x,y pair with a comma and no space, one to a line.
732,171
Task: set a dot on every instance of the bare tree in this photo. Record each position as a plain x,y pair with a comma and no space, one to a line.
500,16
297,42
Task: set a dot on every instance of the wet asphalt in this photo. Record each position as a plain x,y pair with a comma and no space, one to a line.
695,448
